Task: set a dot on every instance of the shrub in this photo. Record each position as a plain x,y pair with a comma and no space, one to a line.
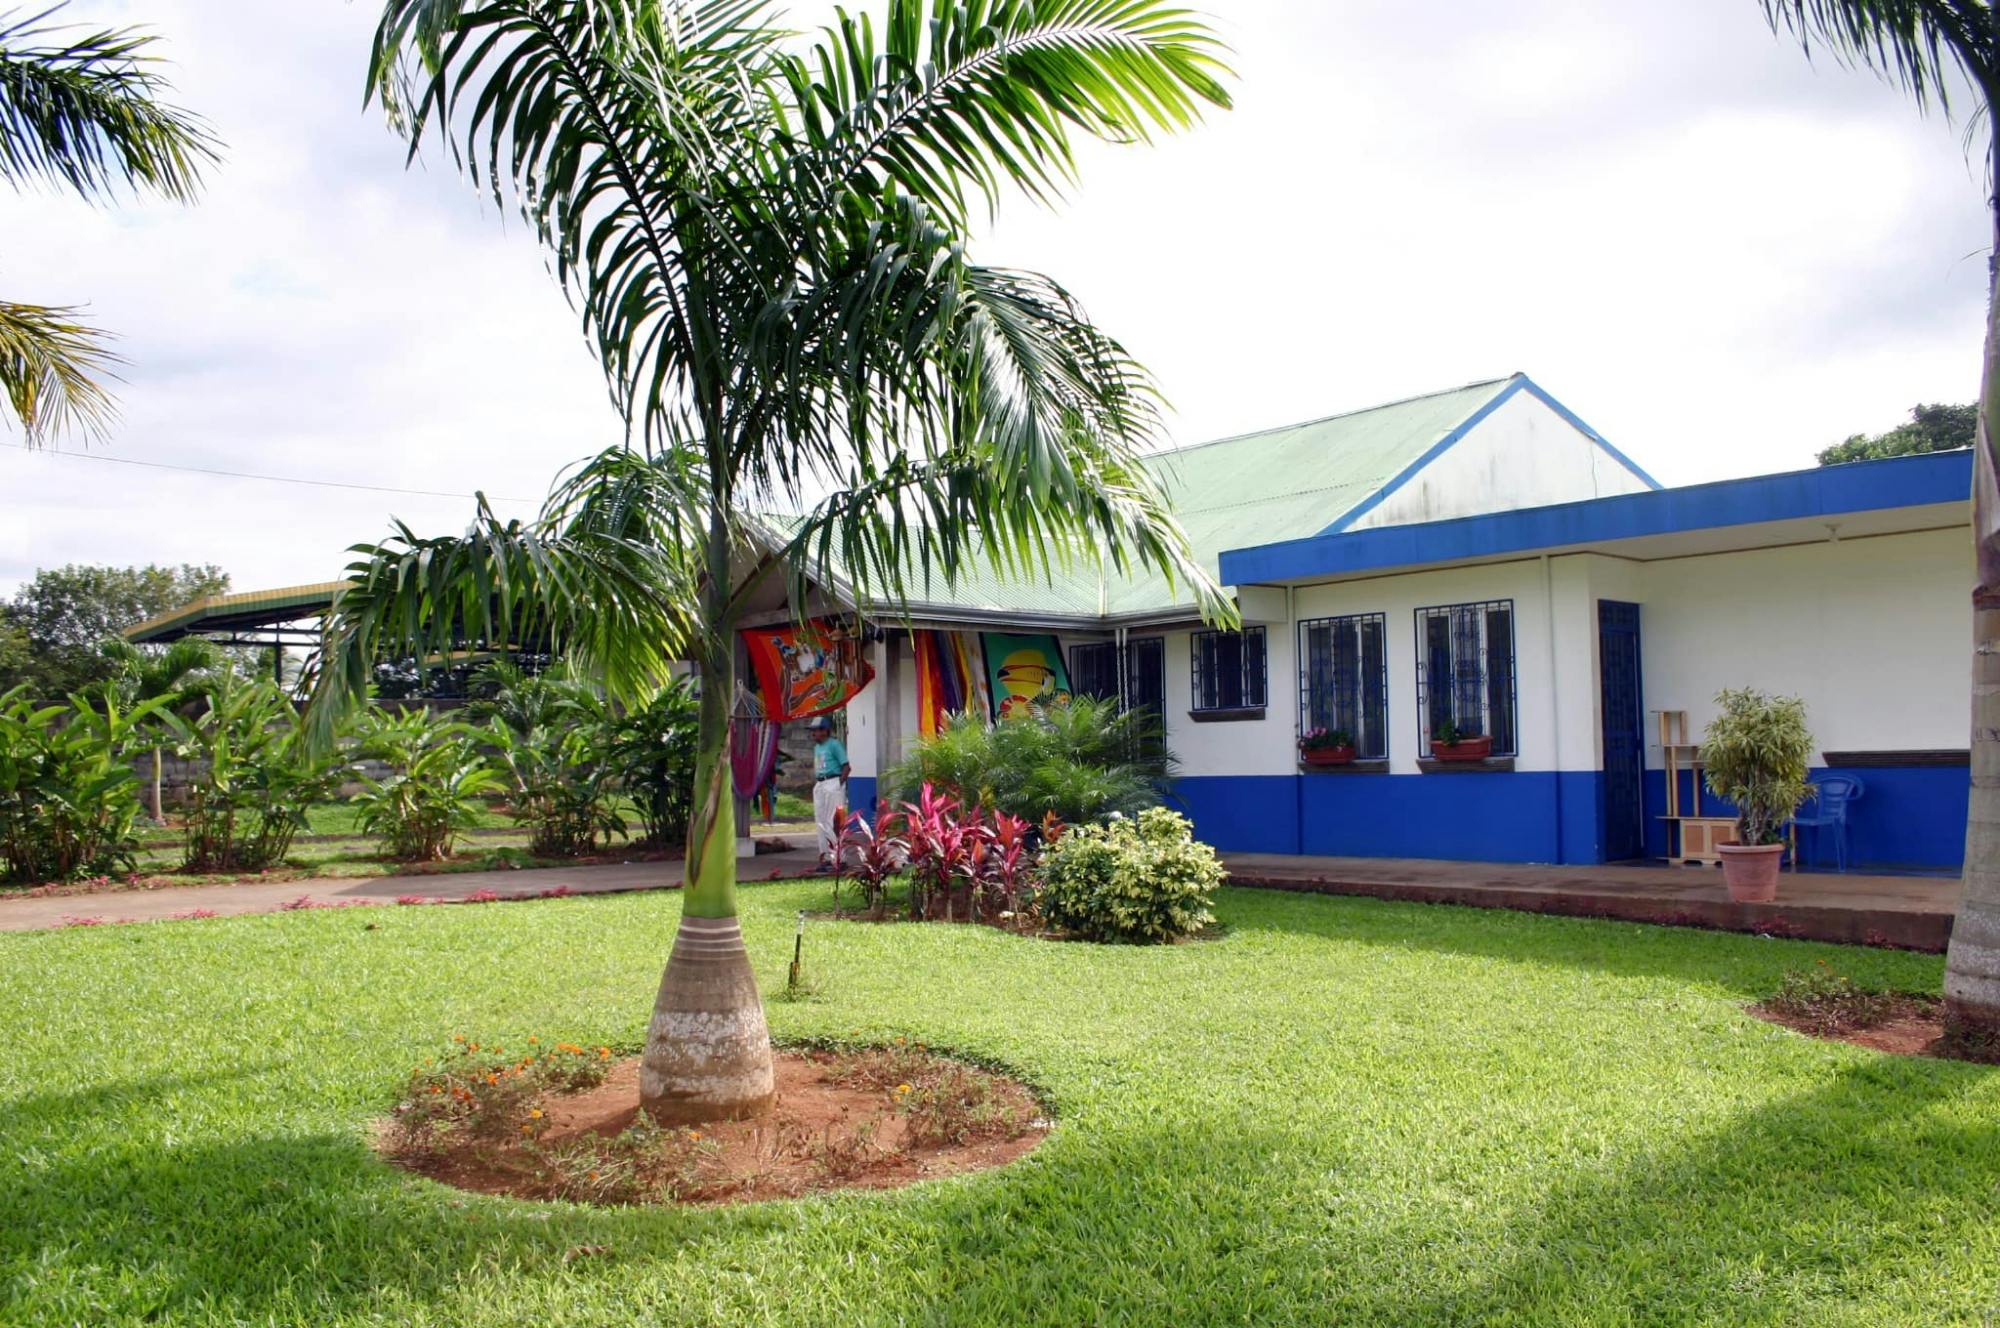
1148,880
561,788
1756,753
1083,761
1825,1001
652,750
69,798
433,792
255,775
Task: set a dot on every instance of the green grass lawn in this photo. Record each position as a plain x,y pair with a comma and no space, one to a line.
1343,1111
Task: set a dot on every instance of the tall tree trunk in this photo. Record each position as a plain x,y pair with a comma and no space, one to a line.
708,1050
159,805
1972,965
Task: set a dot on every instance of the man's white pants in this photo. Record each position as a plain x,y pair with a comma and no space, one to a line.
827,797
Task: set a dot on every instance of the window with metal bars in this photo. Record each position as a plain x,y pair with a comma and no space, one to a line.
1465,672
1227,670
1093,670
1136,682
1344,680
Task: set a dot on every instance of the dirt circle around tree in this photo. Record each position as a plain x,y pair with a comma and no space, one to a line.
1898,1023
868,1118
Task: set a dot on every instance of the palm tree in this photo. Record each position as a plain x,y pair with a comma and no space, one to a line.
177,675
765,236
1924,45
81,111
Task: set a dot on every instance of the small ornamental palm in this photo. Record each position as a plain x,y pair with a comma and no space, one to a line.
767,240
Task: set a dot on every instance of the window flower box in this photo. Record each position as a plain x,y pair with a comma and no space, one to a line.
1327,755
1463,749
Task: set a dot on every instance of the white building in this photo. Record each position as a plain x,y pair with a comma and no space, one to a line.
1483,555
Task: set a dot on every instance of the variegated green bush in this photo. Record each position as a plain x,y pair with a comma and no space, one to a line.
1756,752
1145,881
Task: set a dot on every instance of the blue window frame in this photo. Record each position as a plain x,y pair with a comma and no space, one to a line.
1344,679
1227,670
1465,672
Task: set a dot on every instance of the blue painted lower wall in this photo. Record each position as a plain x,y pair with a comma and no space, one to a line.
1907,818
861,796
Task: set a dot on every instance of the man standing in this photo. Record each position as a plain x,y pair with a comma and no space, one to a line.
829,785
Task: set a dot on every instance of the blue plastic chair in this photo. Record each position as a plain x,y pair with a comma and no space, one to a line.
1829,811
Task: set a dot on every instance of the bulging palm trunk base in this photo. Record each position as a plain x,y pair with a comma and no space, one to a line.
708,1050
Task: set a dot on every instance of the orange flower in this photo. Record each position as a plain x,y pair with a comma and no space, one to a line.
436,1089
604,1053
593,1175
527,1129
492,1078
535,1114
533,1040
693,1135
902,1088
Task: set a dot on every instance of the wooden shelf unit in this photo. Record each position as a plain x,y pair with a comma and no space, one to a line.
1692,836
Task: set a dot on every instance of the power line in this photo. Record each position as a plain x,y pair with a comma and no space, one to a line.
275,479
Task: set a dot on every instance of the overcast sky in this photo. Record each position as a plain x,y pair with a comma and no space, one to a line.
1722,257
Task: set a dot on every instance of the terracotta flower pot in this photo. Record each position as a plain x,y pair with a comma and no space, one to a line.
1465,749
1327,755
1751,871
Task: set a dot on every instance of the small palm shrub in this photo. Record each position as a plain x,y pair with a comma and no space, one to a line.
254,775
436,783
652,749
69,798
1146,880
561,787
1756,753
1083,761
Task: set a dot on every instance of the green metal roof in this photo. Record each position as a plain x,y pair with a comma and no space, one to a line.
243,609
1257,488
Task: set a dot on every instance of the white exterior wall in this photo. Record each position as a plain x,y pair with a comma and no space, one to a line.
1522,455
1398,598
1873,634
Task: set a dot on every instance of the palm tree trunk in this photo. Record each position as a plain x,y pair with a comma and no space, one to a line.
708,1050
159,806
1972,964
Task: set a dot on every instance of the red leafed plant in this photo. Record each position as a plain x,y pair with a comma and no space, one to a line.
946,852
870,854
1009,863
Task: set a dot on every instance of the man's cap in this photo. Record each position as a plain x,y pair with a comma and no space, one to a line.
820,722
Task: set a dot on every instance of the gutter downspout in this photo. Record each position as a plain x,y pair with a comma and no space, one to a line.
1555,697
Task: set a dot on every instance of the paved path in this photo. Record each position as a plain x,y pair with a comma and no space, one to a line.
1911,911
28,914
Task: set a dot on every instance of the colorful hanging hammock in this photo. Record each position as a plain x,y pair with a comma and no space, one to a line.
753,750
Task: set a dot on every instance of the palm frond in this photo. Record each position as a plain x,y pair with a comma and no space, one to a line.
1915,43
83,109
617,606
952,98
52,369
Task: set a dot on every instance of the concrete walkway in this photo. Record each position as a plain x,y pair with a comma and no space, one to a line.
1913,912
34,912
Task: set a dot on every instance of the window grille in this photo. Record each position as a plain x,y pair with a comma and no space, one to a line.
1227,670
1093,670
1344,680
1465,672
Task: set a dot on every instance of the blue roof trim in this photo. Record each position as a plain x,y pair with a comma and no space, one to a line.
1437,449
1867,486
1570,417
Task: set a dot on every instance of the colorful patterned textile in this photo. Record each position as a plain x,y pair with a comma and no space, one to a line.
806,671
1025,672
753,754
949,679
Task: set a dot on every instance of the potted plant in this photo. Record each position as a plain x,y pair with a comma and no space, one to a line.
1326,747
1755,753
1449,744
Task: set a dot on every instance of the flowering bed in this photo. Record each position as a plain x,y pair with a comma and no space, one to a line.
562,1122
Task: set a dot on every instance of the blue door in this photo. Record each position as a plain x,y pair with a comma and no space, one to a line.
1624,829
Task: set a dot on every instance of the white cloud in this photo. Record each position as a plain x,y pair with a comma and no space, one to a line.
1722,256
